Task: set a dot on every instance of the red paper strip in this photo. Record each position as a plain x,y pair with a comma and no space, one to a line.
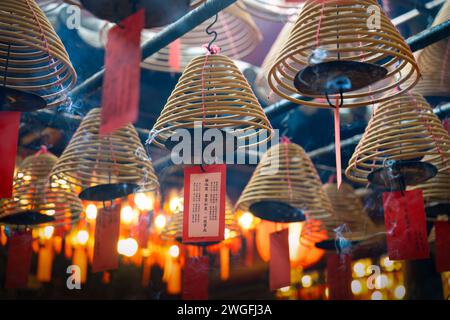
337,143
174,55
204,203
107,226
195,279
143,230
405,221
121,84
9,131
19,260
442,246
279,265
339,277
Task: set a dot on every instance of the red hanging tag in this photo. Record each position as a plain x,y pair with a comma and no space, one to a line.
406,229
339,276
107,226
121,84
337,143
195,279
19,260
279,265
174,55
143,230
9,131
204,203
442,246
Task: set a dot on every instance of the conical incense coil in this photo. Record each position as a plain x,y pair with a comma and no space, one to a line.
32,57
212,92
348,212
118,159
333,48
434,62
286,175
174,229
403,128
238,36
35,200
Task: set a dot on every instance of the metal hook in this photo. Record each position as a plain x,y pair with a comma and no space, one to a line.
214,33
341,103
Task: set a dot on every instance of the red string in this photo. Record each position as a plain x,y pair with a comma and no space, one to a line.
42,150
337,142
286,141
320,25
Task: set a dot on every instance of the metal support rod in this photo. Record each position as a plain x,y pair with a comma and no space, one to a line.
416,42
170,33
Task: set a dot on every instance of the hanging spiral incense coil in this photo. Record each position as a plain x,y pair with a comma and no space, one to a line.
349,211
403,128
118,160
274,10
212,92
285,175
263,91
35,200
331,49
434,62
32,57
238,36
174,229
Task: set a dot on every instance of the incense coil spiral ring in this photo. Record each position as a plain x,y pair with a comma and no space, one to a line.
32,191
238,37
436,190
91,159
349,210
278,11
38,62
174,229
229,102
403,128
286,174
352,40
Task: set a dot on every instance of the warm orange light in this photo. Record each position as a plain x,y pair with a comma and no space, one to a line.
160,221
127,247
82,237
174,251
91,212
143,201
176,204
126,215
48,232
246,220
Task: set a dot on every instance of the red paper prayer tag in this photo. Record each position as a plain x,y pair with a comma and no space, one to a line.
339,276
9,131
337,143
442,246
405,221
174,55
204,203
279,265
195,279
143,230
121,84
19,260
107,226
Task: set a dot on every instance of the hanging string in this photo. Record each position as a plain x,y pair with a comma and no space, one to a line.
320,25
444,67
337,142
285,141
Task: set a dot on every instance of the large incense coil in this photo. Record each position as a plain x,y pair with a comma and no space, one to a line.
434,62
403,128
174,229
286,174
263,91
223,100
340,28
349,211
33,193
38,62
238,36
119,158
274,10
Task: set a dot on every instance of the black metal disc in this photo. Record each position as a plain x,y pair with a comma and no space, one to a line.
20,101
105,192
277,211
399,174
337,76
226,137
197,244
27,218
439,209
157,13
